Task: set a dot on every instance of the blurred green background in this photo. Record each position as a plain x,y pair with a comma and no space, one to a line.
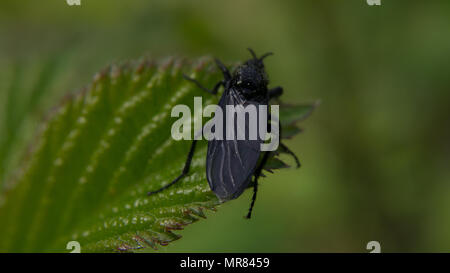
375,154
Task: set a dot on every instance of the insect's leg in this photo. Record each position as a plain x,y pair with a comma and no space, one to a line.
213,91
291,153
286,149
185,171
257,174
224,69
275,92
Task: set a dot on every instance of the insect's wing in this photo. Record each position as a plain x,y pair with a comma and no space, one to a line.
231,163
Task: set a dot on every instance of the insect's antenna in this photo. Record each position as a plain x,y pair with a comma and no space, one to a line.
265,55
253,53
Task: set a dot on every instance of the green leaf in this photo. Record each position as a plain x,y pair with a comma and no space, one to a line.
290,114
20,99
28,85
274,164
99,153
290,130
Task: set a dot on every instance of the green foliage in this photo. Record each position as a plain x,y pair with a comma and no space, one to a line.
98,154
23,87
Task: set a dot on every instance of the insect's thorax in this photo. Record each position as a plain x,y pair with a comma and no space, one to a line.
250,82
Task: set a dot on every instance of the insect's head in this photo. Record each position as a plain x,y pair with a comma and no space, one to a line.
251,77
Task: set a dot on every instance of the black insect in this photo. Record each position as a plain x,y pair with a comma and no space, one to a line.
230,164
